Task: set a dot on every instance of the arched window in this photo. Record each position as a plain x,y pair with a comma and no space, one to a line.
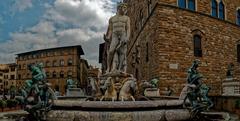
62,62
149,6
191,5
214,8
238,53
141,18
70,62
182,3
147,52
137,74
24,66
221,10
238,17
54,74
62,74
197,46
47,74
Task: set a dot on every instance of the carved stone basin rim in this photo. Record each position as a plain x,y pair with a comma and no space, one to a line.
109,105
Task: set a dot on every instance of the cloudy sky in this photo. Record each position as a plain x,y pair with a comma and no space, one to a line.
27,25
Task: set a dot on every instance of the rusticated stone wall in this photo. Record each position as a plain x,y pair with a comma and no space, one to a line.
169,32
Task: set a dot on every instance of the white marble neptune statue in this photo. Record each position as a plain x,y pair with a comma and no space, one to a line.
117,35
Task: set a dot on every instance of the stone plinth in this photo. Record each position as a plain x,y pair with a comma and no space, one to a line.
231,87
151,92
75,92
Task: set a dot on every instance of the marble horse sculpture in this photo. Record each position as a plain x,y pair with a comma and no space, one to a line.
110,93
128,89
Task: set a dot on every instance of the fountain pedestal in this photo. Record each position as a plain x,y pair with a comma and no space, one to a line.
75,92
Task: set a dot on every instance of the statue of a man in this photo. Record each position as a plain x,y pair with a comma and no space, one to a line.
70,83
118,35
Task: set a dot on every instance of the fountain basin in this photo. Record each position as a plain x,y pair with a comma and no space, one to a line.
164,110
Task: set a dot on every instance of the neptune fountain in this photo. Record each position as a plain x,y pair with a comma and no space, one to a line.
116,97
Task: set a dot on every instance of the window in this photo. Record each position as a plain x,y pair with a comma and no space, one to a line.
48,64
147,52
214,8
236,90
47,74
182,3
141,19
30,57
25,57
54,75
70,51
5,76
34,56
12,77
56,53
12,69
69,73
49,53
221,10
191,5
37,55
136,26
61,52
28,75
19,76
55,63
70,62
57,87
24,66
137,74
62,74
197,46
149,6
238,53
238,17
62,62
43,54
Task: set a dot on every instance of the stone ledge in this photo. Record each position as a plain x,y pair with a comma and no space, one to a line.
157,115
126,105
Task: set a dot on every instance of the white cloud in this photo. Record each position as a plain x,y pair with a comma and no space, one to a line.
84,14
43,27
21,5
65,23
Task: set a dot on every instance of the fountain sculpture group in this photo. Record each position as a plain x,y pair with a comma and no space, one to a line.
37,96
116,96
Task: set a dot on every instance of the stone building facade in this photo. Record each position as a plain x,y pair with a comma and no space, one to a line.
59,64
167,35
7,77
